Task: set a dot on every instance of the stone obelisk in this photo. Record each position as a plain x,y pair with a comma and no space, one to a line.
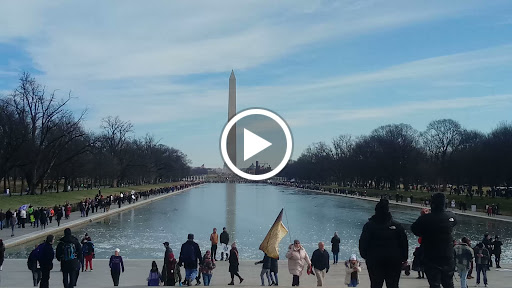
231,144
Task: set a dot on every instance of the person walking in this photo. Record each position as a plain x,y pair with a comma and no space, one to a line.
2,254
435,230
42,218
207,268
352,270
463,258
274,269
69,254
190,256
497,250
417,262
2,218
320,262
297,260
88,251
116,266
233,264
14,221
482,262
383,243
224,240
154,275
33,266
214,239
265,270
60,214
335,241
8,216
167,277
45,259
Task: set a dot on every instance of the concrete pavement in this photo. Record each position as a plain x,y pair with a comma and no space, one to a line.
16,274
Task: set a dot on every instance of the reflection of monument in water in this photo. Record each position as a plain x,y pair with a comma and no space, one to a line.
231,210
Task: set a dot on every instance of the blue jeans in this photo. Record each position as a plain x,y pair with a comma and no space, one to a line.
481,268
206,279
190,274
335,257
463,273
353,283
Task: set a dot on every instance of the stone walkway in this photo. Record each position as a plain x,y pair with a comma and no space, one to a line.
15,274
28,233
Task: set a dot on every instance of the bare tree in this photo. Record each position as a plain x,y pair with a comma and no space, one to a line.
115,138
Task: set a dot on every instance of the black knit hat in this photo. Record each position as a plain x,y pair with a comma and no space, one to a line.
382,207
190,237
438,202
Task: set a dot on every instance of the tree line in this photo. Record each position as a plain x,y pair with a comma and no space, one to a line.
397,155
44,144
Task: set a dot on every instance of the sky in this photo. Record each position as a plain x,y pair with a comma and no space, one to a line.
326,67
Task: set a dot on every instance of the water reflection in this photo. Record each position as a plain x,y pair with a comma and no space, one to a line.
248,211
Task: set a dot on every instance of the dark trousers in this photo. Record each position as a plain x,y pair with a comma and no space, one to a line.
437,277
470,270
384,271
497,259
45,278
295,280
69,278
233,276
214,251
36,276
115,277
481,268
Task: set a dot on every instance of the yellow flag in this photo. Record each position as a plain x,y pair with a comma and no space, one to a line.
270,244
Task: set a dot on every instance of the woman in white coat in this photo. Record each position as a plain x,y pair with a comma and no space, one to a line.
297,260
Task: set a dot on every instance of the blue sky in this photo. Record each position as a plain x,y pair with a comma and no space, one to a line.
327,67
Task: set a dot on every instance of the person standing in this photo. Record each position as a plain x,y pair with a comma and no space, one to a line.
463,258
23,216
69,254
383,243
2,254
265,270
497,250
214,238
42,218
224,240
60,214
190,255
482,262
234,262
488,245
297,260
435,229
116,266
8,216
13,223
168,267
320,262
335,241
33,266
88,251
45,259
2,218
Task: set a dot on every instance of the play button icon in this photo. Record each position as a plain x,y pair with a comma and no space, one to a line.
256,144
253,144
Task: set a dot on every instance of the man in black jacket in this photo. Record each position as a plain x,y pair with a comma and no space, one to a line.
45,258
32,266
224,241
69,254
497,250
383,243
190,256
320,262
435,230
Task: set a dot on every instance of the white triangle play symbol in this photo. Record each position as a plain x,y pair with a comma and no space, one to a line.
253,144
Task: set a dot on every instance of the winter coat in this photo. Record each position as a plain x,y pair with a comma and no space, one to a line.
297,260
190,254
335,241
383,239
224,237
349,269
320,260
154,278
497,247
463,256
208,266
418,259
45,256
2,253
71,265
274,267
233,260
484,259
435,230
266,262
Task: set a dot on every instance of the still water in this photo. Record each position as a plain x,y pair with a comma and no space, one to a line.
248,211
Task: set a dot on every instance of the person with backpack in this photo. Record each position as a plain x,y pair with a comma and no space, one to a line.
32,266
69,254
45,257
88,251
116,266
154,275
463,258
190,255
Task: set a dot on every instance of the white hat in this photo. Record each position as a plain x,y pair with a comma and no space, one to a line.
117,250
353,257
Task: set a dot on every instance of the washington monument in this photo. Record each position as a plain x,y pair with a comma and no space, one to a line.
231,144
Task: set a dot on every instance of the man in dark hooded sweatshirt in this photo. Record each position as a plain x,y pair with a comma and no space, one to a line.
69,252
383,243
435,230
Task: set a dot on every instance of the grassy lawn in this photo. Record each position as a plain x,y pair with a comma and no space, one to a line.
504,204
53,198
